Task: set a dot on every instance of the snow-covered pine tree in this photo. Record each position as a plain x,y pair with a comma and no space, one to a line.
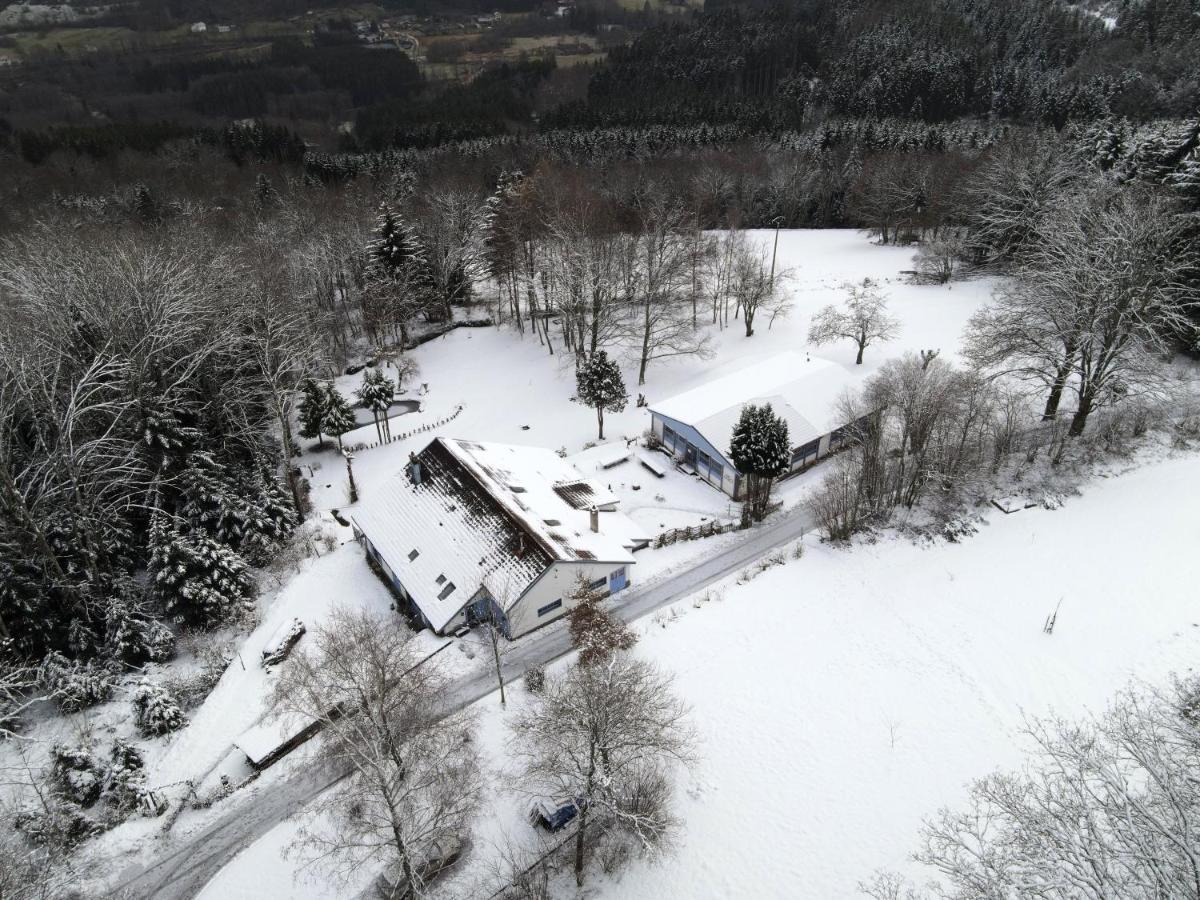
395,246
131,635
125,780
594,632
598,384
154,709
268,517
266,197
377,394
197,576
339,417
312,410
759,449
75,685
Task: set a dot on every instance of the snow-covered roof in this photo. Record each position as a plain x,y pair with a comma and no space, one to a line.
491,515
804,390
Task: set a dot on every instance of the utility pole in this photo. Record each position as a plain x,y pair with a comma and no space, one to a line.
777,221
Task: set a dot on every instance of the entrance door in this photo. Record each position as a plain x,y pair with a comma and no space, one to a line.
689,456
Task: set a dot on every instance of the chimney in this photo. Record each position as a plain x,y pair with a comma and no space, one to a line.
594,517
414,468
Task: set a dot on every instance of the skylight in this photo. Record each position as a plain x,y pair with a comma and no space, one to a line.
446,591
413,554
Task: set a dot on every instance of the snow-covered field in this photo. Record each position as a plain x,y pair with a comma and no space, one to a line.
804,674
842,697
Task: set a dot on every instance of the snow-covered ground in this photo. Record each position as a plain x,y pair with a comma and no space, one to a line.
842,697
511,389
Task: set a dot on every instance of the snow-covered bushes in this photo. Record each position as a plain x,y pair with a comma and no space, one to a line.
155,710
75,774
535,679
58,824
75,685
125,781
191,688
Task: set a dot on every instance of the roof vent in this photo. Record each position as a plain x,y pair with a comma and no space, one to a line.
517,488
552,521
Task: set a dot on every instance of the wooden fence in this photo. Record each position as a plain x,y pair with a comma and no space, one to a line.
693,532
356,448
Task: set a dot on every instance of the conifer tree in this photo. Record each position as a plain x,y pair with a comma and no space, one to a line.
599,385
760,450
339,417
312,411
198,577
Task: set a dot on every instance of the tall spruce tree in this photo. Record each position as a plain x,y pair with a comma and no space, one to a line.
339,417
598,384
312,411
760,450
198,577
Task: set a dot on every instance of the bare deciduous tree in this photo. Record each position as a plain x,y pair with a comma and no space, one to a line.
1107,808
864,319
607,735
380,704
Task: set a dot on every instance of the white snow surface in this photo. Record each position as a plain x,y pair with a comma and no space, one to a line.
846,695
803,390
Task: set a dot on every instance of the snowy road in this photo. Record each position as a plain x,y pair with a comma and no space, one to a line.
184,871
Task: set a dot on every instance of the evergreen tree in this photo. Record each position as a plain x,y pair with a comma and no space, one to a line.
595,633
339,417
155,710
266,197
760,450
377,394
312,411
131,635
598,384
197,577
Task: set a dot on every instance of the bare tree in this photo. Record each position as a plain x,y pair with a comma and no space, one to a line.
661,288
940,259
380,706
1100,298
607,735
1107,808
755,288
864,319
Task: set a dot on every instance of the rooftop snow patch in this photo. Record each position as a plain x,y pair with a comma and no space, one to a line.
804,390
479,518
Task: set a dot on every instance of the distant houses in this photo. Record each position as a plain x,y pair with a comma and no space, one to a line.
472,532
696,426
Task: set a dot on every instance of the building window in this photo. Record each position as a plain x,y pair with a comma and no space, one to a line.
670,438
549,607
805,453
599,584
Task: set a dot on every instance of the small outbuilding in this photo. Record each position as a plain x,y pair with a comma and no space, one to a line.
473,532
696,426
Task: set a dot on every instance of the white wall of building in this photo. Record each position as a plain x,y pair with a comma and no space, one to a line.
557,583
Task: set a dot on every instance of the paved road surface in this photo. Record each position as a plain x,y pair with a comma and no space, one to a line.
183,872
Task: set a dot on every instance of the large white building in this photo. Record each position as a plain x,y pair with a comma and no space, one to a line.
696,426
475,530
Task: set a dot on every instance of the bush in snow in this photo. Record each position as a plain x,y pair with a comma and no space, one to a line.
535,679
75,774
155,710
191,688
75,685
125,781
59,824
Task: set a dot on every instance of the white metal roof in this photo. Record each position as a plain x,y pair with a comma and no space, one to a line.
804,390
491,515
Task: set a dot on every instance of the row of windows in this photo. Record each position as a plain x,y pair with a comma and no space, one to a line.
617,576
706,466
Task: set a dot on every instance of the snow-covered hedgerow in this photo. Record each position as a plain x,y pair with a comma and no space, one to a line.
75,685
